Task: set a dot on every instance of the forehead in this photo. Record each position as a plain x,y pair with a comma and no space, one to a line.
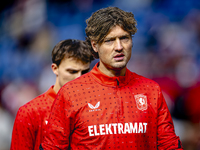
116,31
73,62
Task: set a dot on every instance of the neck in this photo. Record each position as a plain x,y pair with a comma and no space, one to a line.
112,72
56,87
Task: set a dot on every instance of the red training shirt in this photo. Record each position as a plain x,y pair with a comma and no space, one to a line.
99,112
30,122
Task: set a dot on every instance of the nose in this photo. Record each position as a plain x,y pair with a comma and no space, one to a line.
118,45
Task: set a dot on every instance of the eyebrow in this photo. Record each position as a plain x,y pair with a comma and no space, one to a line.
116,36
70,69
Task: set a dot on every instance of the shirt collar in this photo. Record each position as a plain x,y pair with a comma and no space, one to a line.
107,80
51,93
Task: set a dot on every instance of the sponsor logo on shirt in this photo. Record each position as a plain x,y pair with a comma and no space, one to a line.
141,101
94,108
117,128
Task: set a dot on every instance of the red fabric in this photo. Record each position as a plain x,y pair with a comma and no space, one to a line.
30,122
192,103
169,86
97,112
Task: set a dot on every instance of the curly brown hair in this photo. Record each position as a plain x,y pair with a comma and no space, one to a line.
77,49
103,20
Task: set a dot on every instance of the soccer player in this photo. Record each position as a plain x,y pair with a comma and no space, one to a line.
70,59
110,107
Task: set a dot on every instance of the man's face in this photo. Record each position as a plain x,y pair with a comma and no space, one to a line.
70,69
115,50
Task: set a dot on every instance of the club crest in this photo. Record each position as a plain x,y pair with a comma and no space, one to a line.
141,101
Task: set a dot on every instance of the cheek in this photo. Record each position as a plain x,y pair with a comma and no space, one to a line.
104,56
67,76
129,50
104,52
63,75
129,56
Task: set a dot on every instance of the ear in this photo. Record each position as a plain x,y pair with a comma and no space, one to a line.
94,46
54,68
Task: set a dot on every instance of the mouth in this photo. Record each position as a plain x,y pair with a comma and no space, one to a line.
119,57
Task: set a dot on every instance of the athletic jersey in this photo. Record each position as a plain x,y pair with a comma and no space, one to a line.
99,112
30,122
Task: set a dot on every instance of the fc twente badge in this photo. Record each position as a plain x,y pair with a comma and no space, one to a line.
141,101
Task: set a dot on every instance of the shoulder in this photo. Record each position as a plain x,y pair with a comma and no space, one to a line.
75,88
143,80
86,78
34,106
79,82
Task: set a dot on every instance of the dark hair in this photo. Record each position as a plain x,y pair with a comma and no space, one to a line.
77,49
102,21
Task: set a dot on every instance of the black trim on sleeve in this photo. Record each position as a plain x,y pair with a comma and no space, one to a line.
179,144
40,148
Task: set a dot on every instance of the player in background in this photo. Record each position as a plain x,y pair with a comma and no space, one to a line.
70,59
110,107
